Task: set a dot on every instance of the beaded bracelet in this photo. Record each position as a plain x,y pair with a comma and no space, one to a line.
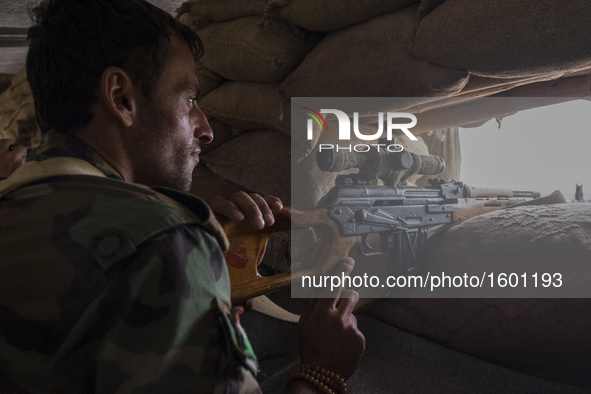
325,381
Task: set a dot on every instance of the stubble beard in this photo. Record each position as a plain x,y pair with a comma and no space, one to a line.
157,166
160,171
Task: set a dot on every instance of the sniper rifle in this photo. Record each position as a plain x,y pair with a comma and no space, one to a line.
357,207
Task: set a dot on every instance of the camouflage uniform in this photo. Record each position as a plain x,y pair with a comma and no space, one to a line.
112,287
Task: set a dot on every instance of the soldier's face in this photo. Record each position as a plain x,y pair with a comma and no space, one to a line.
171,125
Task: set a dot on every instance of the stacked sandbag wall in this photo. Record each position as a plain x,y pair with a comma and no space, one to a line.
17,112
259,54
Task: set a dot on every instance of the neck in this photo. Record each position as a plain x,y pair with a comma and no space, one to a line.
108,142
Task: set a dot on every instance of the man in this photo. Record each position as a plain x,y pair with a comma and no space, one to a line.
107,285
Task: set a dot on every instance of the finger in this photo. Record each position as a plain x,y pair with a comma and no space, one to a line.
345,306
249,208
221,206
331,295
264,208
274,203
353,320
308,307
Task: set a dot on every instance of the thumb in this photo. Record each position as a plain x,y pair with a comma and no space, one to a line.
330,297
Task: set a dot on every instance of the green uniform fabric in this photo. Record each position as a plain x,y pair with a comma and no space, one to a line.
111,287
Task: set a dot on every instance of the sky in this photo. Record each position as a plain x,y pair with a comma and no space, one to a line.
542,149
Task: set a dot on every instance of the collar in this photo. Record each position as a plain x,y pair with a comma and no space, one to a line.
57,144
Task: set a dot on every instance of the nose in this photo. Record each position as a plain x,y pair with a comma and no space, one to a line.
5,144
203,131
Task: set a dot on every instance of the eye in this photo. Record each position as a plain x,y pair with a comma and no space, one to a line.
194,99
11,147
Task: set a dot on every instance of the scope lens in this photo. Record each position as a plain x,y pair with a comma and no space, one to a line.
324,159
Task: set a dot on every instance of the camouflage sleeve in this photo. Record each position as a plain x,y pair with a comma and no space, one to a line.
168,322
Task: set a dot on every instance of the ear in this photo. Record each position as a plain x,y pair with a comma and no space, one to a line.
119,95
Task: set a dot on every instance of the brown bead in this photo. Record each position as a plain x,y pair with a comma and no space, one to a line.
331,375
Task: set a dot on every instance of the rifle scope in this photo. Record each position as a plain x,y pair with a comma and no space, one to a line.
335,161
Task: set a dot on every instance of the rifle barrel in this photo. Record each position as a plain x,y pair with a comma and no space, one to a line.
526,194
496,192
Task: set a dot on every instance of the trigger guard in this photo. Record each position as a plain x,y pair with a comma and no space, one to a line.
363,252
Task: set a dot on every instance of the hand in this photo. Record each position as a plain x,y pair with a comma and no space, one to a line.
12,156
259,210
328,332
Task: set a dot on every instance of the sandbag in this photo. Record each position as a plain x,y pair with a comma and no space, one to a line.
208,80
245,50
370,59
17,113
426,6
507,39
255,106
222,133
5,81
542,337
207,184
222,10
248,106
328,15
195,22
240,161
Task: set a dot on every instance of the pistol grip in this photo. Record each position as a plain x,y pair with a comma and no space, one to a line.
247,248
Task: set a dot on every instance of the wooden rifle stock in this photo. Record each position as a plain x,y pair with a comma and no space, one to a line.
247,247
247,244
467,208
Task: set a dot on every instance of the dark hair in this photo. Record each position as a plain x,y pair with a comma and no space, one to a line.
74,41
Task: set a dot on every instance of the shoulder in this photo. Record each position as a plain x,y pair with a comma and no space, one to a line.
170,310
107,217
